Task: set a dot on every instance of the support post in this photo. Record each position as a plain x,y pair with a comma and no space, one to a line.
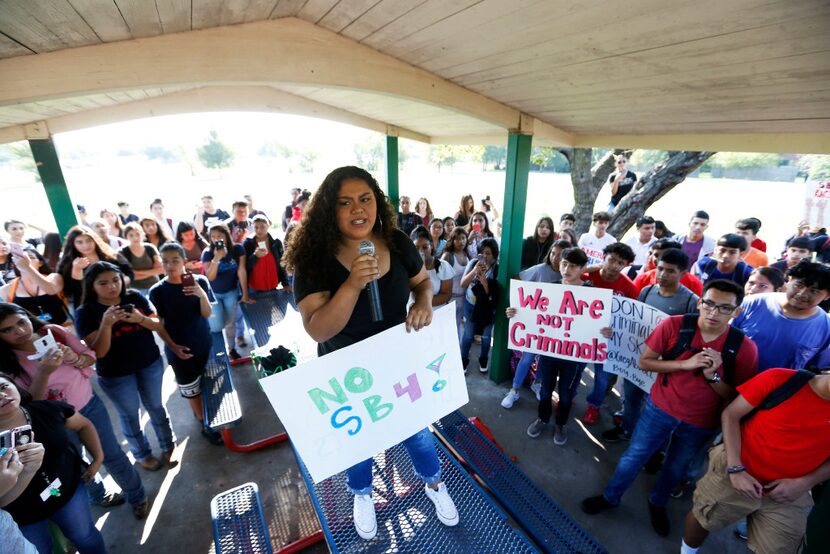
51,175
392,170
510,257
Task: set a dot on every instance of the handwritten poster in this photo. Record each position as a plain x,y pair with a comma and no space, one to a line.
559,320
632,322
816,211
347,406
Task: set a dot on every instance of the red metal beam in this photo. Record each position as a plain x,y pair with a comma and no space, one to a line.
244,448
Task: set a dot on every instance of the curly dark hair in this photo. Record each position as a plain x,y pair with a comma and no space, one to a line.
314,242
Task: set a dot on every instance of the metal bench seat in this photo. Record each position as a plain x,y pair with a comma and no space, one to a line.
238,521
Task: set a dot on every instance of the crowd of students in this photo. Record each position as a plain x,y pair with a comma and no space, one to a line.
739,327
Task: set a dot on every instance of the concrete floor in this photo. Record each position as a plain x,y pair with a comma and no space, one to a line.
180,519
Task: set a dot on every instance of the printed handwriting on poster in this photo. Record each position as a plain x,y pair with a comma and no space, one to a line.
632,322
559,320
347,406
816,200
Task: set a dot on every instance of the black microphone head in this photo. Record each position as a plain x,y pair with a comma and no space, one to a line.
366,247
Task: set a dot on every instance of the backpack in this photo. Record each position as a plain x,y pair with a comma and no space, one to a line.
784,391
688,326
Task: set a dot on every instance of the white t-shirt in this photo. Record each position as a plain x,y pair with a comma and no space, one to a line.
593,246
444,272
640,250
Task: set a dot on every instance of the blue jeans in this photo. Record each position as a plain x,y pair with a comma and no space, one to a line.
125,392
225,308
601,379
75,521
653,428
469,333
421,449
568,374
523,368
116,462
633,397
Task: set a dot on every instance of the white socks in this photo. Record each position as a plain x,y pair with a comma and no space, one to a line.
686,549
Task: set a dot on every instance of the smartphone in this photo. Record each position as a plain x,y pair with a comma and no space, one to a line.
476,227
243,224
6,439
262,245
219,244
188,280
481,258
21,435
43,345
127,307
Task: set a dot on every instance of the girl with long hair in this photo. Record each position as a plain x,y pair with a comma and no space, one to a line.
155,233
64,375
536,247
480,299
455,253
7,272
37,289
193,245
465,210
114,223
143,257
118,324
424,210
330,277
477,229
436,234
440,272
449,225
81,248
48,488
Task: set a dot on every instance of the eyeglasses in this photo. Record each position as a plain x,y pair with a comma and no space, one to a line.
722,309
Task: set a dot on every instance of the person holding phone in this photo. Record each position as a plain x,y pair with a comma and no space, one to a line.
48,487
480,299
185,302
37,289
455,253
477,230
10,470
330,276
224,263
118,324
264,259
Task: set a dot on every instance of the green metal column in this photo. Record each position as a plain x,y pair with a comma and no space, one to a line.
49,167
510,256
392,170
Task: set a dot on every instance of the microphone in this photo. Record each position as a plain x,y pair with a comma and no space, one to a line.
367,247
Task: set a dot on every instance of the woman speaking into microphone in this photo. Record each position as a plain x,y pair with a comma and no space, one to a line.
330,288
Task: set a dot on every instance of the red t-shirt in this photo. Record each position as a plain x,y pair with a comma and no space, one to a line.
759,244
688,396
650,278
789,440
622,286
264,276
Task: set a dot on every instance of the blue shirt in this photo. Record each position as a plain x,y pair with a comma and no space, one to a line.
227,278
782,341
708,271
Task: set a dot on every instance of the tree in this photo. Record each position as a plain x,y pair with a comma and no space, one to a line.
19,155
443,155
306,160
370,153
161,153
495,156
214,154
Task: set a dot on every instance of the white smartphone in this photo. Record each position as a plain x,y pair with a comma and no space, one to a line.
43,345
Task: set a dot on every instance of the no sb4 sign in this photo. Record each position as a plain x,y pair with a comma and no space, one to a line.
348,405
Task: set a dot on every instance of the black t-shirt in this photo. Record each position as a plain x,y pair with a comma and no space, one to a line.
407,222
182,315
60,460
394,290
625,186
73,289
132,346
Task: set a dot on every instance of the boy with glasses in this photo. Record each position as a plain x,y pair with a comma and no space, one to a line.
686,399
793,329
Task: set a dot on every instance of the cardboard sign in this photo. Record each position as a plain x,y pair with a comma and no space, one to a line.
816,201
561,321
632,322
347,406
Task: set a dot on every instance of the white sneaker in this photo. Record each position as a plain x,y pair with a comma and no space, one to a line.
560,435
536,387
510,399
365,522
444,506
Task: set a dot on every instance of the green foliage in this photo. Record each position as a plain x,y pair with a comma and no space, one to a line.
214,154
276,150
496,156
815,166
370,153
647,159
19,155
547,158
161,153
744,160
306,160
449,154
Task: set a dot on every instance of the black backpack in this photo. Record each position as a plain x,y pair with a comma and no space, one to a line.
784,391
688,326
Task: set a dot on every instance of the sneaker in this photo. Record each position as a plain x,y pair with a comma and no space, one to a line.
464,363
240,341
536,387
659,519
510,399
233,354
444,506
141,511
615,434
111,499
560,435
595,505
212,436
680,489
151,464
535,428
591,415
365,522
482,364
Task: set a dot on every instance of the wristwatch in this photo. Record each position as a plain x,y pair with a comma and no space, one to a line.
715,378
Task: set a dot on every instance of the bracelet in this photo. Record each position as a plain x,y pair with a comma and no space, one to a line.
735,469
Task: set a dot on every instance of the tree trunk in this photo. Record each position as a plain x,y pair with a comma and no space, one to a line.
652,186
587,181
